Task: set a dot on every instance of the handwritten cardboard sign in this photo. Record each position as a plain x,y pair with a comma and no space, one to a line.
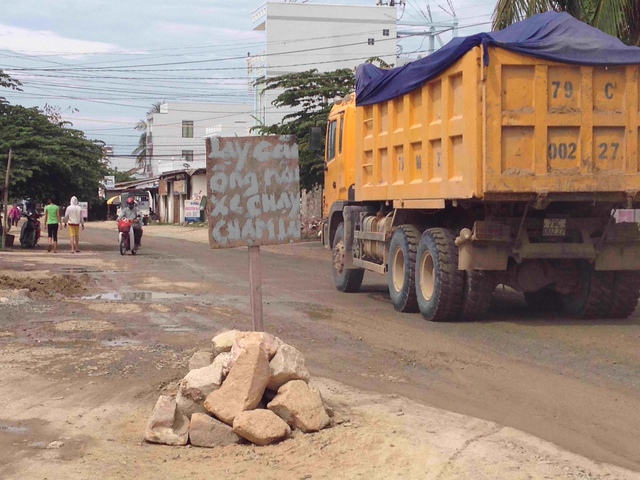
253,185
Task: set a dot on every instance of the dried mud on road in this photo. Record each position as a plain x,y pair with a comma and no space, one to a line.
84,356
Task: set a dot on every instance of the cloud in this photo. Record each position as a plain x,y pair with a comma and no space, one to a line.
38,42
180,28
242,35
219,35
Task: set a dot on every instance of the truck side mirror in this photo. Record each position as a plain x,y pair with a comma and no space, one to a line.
315,139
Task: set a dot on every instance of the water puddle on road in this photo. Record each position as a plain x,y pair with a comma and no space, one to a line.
120,342
79,270
141,296
13,428
177,329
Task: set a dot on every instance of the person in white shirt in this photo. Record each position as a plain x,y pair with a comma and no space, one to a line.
73,218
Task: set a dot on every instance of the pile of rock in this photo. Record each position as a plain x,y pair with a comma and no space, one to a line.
251,386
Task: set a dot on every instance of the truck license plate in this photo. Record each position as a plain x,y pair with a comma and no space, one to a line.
554,227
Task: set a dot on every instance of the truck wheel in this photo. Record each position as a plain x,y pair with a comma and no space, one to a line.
439,283
476,294
346,280
544,300
401,268
593,298
626,291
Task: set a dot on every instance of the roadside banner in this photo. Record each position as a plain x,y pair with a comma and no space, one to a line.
109,182
253,186
85,209
191,211
253,193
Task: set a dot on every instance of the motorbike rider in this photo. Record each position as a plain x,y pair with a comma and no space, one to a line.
132,213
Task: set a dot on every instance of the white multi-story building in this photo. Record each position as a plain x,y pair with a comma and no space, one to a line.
176,136
302,36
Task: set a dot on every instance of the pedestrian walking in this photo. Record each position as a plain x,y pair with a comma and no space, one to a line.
52,221
73,219
14,216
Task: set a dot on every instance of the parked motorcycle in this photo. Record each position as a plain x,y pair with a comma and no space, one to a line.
125,236
30,231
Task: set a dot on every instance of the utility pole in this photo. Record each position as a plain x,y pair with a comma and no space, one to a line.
431,30
6,201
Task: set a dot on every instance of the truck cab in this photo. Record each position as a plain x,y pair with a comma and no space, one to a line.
339,178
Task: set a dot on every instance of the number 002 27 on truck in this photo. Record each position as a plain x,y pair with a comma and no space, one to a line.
499,159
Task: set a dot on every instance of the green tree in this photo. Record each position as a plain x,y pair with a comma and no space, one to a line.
120,176
7,82
49,158
142,158
619,18
309,94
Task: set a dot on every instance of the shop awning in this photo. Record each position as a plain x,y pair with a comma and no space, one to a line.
114,200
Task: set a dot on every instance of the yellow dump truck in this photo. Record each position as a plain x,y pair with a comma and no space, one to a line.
499,161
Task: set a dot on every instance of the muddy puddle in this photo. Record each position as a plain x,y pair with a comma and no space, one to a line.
120,342
4,427
177,329
140,296
80,270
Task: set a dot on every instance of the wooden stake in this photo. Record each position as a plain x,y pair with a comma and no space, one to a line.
6,201
255,282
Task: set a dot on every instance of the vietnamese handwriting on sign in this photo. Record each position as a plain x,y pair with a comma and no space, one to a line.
254,190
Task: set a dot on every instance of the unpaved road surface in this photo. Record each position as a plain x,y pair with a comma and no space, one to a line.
85,354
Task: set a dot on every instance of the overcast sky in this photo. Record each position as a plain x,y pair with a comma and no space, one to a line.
104,63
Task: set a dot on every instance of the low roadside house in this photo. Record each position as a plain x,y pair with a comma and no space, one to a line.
175,188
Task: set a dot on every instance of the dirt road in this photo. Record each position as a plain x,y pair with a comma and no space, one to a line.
83,358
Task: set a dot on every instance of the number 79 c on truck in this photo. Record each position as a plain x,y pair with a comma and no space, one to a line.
499,159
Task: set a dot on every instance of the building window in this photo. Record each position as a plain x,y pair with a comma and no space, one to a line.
187,129
385,32
215,129
187,155
371,41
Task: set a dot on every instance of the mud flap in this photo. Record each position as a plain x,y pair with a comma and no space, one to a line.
618,257
487,256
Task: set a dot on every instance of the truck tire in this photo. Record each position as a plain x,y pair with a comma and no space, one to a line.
477,293
439,283
347,281
544,300
401,275
626,291
593,297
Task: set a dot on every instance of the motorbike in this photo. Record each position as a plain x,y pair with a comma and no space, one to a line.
125,236
30,231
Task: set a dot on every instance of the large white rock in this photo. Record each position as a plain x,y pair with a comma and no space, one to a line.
206,431
200,359
261,427
300,406
286,365
223,341
167,425
244,386
197,384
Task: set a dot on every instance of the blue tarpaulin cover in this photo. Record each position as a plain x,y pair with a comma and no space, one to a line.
551,36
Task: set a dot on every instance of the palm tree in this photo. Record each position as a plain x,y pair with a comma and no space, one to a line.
619,18
141,150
